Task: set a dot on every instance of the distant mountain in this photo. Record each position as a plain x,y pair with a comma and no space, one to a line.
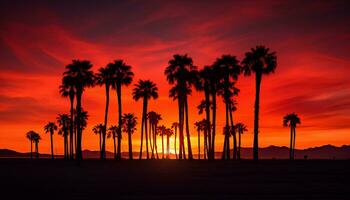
271,152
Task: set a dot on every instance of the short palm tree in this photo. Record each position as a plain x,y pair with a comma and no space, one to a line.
240,128
161,130
36,138
261,61
175,125
169,132
105,77
79,73
63,121
129,127
123,77
199,127
67,89
154,119
98,130
51,127
291,120
146,90
30,136
113,133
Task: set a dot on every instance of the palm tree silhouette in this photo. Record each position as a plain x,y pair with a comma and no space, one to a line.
182,73
105,77
161,130
30,135
146,90
154,119
240,128
63,121
199,127
129,127
261,62
168,132
98,129
67,89
50,127
175,125
291,120
113,132
80,75
36,138
123,76
228,70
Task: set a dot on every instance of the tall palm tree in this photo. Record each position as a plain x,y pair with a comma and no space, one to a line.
182,73
30,136
261,61
50,127
129,127
146,90
123,77
175,125
291,120
98,130
113,132
36,138
169,132
105,77
63,121
240,128
232,108
80,74
67,89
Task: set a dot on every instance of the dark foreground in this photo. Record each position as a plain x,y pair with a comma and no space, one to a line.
170,179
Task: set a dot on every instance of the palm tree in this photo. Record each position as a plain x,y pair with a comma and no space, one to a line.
113,132
63,121
291,120
129,126
240,128
199,127
36,138
232,108
154,119
50,127
105,77
67,89
175,125
98,130
30,136
123,76
146,90
162,131
80,74
169,132
261,62
182,73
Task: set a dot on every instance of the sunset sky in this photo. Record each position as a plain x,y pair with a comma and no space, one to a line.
311,39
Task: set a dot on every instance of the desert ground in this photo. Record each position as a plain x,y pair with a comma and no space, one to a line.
174,179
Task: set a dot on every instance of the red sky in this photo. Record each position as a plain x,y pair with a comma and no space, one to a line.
312,41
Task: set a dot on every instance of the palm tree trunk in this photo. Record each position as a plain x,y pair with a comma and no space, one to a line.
190,156
79,132
175,142
36,150
31,149
205,144
212,150
155,140
65,145
104,131
199,145
226,148
71,151
142,125
146,131
234,135
119,93
256,116
294,133
114,146
180,128
51,140
291,144
207,112
151,137
130,146
239,146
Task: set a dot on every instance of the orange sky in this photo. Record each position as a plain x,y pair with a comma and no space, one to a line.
312,42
